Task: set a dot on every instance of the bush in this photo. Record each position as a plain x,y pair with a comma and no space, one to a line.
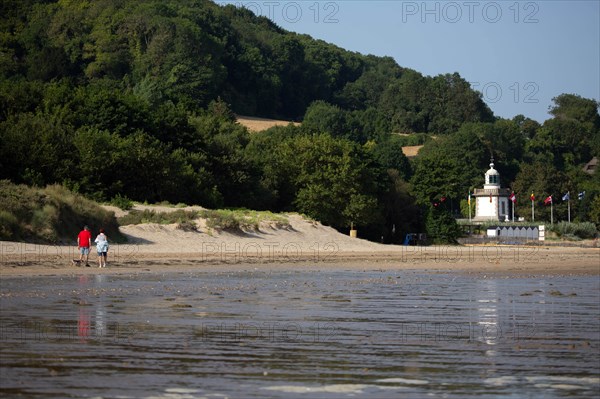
187,225
241,219
122,202
9,226
148,216
581,230
221,220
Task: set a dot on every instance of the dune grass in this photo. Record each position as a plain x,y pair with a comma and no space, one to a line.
221,219
184,219
242,219
50,215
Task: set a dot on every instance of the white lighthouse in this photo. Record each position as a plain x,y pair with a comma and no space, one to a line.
491,200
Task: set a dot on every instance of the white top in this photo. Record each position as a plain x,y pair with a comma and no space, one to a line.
101,243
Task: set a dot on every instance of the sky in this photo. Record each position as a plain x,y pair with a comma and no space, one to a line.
518,54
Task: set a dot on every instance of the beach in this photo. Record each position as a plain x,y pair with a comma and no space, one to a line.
303,244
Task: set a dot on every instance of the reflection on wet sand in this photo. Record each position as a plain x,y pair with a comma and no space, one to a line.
299,334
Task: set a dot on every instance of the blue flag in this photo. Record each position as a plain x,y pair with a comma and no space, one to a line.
581,195
566,197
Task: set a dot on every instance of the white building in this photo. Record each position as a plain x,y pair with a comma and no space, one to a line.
491,201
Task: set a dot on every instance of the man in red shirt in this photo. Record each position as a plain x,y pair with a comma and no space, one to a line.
84,242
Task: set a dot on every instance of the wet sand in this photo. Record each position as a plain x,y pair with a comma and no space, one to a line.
18,259
298,313
299,330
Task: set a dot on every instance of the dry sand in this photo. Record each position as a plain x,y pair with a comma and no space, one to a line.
411,151
254,124
302,245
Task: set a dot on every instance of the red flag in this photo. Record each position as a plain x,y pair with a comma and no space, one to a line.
532,197
548,200
513,198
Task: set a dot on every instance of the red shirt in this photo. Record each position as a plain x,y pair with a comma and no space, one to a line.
84,237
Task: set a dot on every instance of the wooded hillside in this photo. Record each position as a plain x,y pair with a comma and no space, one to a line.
136,99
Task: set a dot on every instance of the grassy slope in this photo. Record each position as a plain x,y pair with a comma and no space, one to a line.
50,215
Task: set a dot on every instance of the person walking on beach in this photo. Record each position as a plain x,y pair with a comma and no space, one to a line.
84,242
102,248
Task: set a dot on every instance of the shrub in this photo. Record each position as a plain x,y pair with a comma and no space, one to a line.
9,226
241,219
581,230
122,202
221,220
150,216
187,225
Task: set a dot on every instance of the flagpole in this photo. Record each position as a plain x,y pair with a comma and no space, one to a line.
569,206
532,211
551,212
469,203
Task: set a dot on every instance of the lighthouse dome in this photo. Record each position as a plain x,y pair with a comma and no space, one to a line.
492,177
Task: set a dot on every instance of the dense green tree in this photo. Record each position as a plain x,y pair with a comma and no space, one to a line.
322,117
270,151
571,106
337,183
224,141
99,174
43,155
450,167
402,215
441,227
572,137
369,124
366,91
404,102
453,103
388,152
527,127
565,142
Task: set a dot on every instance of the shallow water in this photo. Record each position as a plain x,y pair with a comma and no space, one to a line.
305,334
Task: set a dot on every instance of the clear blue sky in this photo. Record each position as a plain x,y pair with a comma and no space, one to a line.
519,54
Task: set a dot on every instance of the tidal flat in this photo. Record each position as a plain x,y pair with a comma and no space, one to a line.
321,333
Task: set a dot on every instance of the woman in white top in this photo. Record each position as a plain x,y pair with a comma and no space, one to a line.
102,248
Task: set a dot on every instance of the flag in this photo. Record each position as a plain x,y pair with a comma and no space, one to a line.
581,195
469,200
566,197
532,197
513,198
548,200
